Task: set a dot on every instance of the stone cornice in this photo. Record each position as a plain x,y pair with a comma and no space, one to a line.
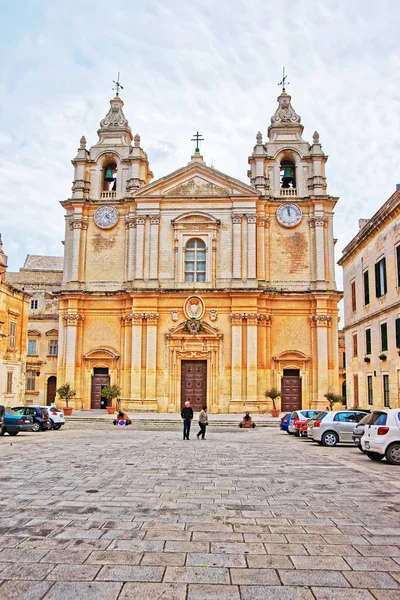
373,315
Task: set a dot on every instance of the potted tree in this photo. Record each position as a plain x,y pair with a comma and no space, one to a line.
66,393
109,392
332,399
382,356
273,394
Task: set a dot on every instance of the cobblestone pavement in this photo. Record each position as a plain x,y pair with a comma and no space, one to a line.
103,513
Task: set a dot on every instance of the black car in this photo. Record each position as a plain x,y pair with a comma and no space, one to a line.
40,416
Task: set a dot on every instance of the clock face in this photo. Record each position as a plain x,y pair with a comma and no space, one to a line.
289,215
106,217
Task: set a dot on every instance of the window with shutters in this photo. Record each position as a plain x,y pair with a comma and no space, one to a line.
353,296
380,278
384,337
397,333
30,381
344,360
369,390
366,288
53,347
355,385
355,344
9,382
386,397
398,264
34,304
368,341
13,333
32,348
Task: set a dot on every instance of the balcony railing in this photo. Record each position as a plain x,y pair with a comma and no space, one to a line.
288,192
108,195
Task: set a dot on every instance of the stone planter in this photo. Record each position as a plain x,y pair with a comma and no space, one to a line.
68,411
275,412
110,410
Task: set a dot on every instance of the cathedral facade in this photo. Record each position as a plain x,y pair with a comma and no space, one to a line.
197,286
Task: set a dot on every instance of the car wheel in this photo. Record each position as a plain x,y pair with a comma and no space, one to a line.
361,449
330,438
297,433
375,455
393,454
35,427
56,426
13,432
2,431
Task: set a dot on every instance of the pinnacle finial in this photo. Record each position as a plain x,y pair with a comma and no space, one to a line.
259,138
316,137
136,139
284,82
82,143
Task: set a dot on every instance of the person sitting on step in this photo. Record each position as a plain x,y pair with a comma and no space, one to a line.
122,418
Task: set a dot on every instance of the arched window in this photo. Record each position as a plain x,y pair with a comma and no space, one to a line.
344,392
195,260
110,177
288,174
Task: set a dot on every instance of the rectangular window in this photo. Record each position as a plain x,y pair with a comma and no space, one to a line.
369,389
30,381
398,264
355,344
380,278
34,304
344,360
386,391
31,347
397,332
9,382
353,296
368,341
355,382
366,288
13,332
53,347
384,337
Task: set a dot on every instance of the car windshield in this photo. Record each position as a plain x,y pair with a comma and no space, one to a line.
366,420
378,418
319,416
18,409
8,411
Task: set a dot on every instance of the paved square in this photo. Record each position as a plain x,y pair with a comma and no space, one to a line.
96,512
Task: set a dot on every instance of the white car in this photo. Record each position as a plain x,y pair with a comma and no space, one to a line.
382,436
56,416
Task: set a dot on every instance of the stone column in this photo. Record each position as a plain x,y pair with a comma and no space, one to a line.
251,357
264,351
130,226
236,376
151,355
236,247
260,248
136,363
154,229
71,321
140,223
319,223
251,246
76,226
321,322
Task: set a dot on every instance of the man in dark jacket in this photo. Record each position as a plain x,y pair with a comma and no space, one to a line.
187,416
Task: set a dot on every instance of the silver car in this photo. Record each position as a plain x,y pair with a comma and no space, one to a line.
335,426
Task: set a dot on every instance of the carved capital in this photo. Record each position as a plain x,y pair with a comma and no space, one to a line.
80,185
72,318
154,219
78,224
251,219
237,318
152,318
318,221
137,318
130,222
264,320
236,219
320,320
140,220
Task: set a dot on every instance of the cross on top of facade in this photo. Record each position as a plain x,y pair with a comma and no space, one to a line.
197,137
284,82
118,86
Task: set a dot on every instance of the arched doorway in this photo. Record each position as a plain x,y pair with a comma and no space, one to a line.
51,390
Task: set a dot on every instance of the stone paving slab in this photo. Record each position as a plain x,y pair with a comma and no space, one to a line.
228,519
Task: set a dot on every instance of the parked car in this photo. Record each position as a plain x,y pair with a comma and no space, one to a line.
321,415
382,436
297,417
1,417
285,420
359,429
335,426
40,416
14,422
56,416
304,426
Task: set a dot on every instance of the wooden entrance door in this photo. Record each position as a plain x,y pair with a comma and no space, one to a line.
98,382
51,390
291,394
194,383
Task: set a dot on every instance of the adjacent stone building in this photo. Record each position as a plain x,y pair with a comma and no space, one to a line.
14,305
199,286
371,271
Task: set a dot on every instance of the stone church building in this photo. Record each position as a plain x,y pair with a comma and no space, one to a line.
197,286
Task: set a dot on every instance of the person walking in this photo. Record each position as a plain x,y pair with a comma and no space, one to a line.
203,422
187,416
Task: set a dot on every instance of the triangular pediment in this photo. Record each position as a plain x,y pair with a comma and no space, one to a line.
197,179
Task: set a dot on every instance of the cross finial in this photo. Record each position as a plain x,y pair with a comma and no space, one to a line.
197,138
284,82
118,86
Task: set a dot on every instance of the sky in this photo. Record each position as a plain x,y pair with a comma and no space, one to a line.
186,66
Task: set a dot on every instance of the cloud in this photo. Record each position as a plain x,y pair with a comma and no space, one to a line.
207,66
